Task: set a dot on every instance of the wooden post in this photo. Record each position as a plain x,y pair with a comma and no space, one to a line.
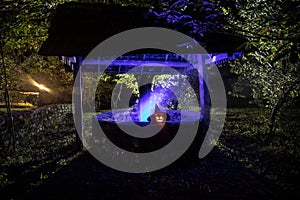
77,103
203,89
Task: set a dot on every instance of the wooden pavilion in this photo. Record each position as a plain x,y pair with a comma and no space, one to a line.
77,28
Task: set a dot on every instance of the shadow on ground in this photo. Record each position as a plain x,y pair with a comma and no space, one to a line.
214,177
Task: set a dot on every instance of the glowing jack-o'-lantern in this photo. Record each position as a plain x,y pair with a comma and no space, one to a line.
160,117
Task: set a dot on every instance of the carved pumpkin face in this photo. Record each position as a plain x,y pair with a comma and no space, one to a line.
160,117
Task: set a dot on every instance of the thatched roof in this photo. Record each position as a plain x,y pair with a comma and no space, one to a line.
78,27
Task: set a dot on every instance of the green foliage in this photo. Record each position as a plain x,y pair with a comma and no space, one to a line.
139,3
271,61
38,158
24,26
177,84
194,18
129,80
104,90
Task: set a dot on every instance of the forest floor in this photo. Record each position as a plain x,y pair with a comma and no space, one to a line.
245,164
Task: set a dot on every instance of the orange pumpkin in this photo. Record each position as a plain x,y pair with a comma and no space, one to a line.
160,117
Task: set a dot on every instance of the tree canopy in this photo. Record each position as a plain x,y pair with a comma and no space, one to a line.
271,59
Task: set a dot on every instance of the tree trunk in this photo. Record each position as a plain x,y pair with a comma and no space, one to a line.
277,107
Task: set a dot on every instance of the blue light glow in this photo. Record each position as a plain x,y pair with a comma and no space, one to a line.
146,107
153,101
